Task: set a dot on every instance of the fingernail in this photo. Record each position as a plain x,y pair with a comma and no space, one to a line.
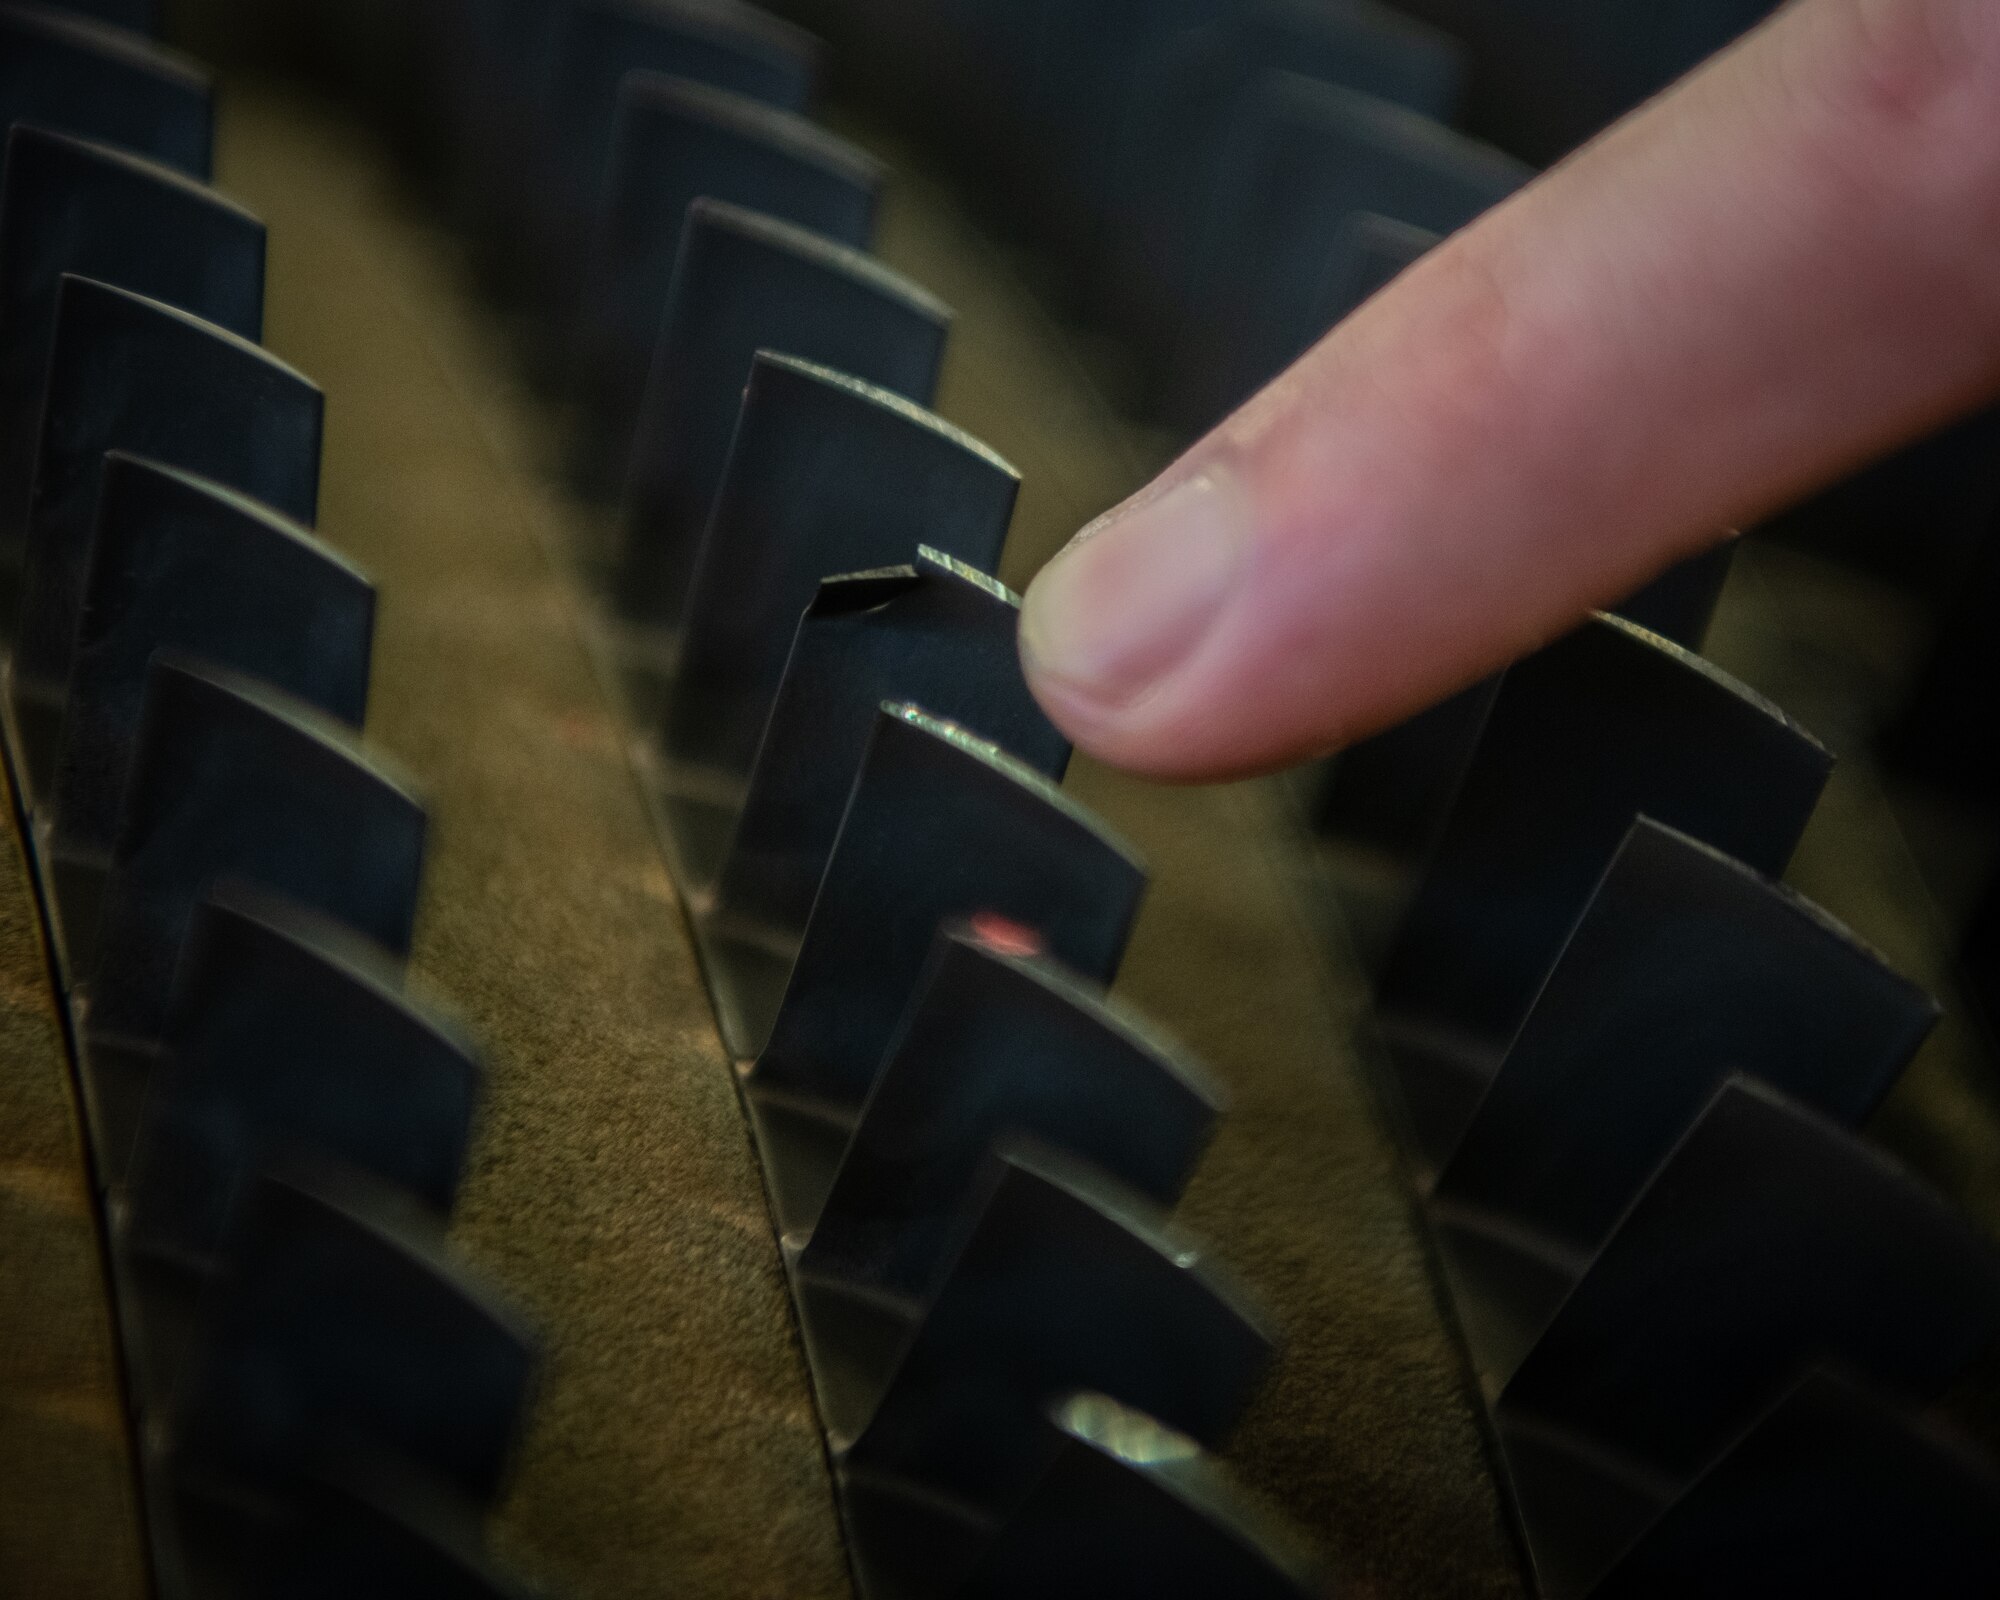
1133,593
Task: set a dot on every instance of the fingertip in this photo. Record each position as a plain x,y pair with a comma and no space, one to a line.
1112,616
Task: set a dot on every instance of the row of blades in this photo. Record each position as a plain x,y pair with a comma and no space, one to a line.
1706,1317
971,1149
323,1398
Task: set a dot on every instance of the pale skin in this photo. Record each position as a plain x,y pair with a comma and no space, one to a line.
1785,265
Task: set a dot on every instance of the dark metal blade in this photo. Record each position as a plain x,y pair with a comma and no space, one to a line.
82,77
233,779
1306,157
744,283
999,1039
598,43
1184,98
1584,736
1130,1510
287,1033
1394,790
1769,1239
342,1322
826,474
936,632
1064,1282
70,206
1686,968
180,563
370,1524
675,142
128,373
941,826
1680,603
1838,1493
